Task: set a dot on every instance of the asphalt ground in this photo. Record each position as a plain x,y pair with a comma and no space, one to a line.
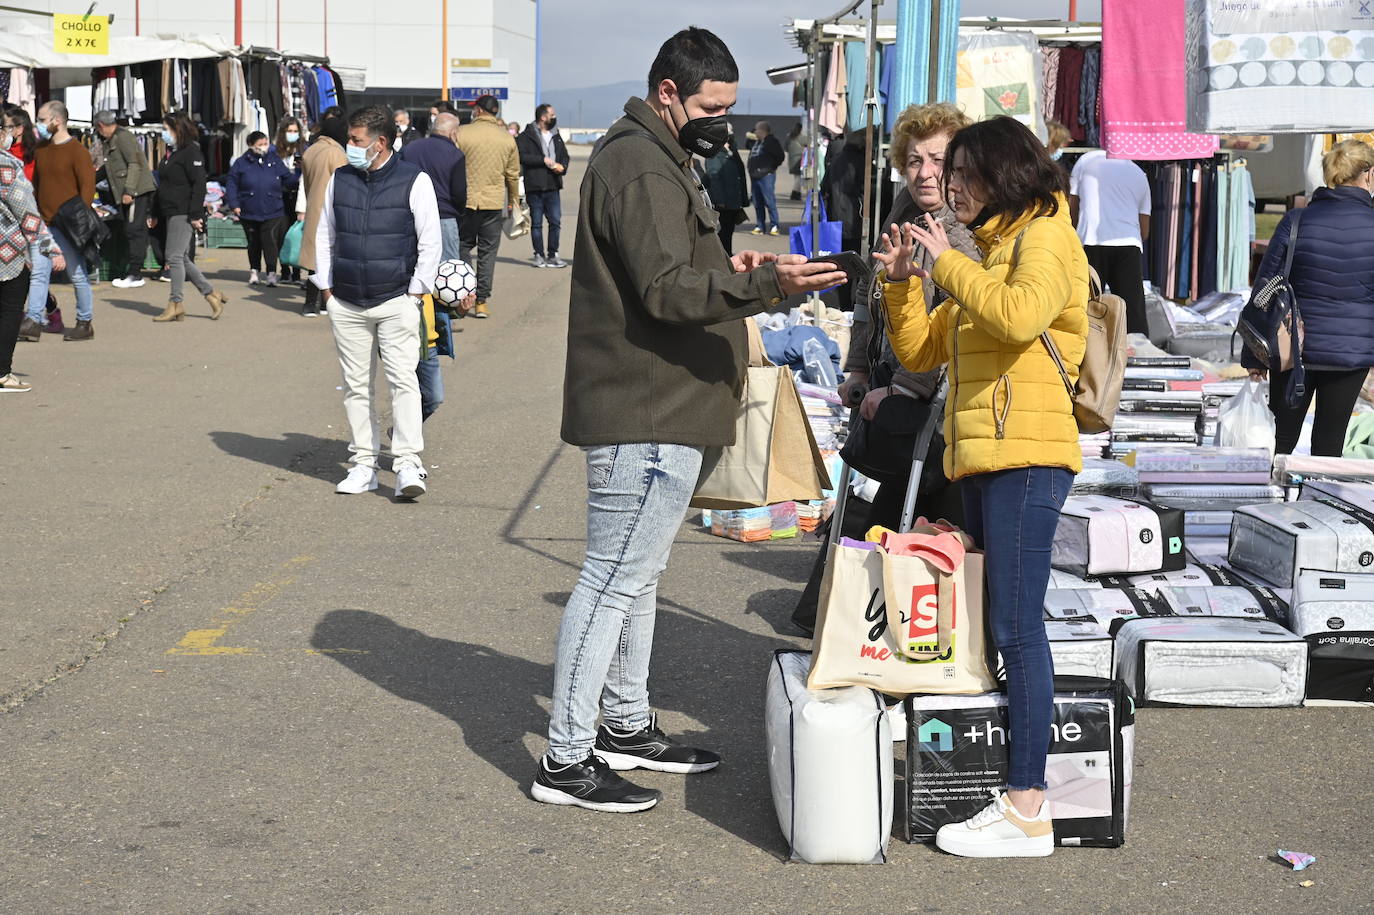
230,690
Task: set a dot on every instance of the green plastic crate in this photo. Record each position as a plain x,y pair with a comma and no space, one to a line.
224,233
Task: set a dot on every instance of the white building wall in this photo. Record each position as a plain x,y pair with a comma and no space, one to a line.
398,42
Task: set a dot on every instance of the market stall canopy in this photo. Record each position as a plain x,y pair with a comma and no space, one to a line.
799,30
28,45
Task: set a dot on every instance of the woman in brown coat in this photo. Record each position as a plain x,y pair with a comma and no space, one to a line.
324,157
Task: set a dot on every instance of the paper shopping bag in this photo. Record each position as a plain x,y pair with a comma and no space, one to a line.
898,625
774,457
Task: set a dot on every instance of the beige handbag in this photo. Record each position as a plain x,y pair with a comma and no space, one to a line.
899,625
774,457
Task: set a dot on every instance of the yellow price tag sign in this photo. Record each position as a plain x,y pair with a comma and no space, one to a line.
80,34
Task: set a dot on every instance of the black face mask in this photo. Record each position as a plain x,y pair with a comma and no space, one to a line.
553,122
703,136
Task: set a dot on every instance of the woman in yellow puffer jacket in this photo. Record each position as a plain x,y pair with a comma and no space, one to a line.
1010,427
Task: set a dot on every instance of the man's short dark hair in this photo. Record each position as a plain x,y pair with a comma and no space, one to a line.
254,137
442,105
690,58
377,121
488,103
335,128
332,111
542,110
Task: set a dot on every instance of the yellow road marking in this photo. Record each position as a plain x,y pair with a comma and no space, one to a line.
205,642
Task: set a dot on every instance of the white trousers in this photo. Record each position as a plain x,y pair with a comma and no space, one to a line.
360,334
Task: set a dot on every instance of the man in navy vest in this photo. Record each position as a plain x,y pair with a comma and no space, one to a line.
376,252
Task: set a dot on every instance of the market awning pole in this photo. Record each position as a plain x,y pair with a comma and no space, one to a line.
933,93
870,108
813,186
443,53
238,23
1073,10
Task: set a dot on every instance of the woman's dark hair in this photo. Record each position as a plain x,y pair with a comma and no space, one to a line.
377,121
1009,167
254,137
690,58
282,145
27,135
442,105
184,131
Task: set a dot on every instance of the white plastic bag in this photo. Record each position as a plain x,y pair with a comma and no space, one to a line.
830,766
1244,421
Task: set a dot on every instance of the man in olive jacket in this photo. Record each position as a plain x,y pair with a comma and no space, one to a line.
656,356
131,182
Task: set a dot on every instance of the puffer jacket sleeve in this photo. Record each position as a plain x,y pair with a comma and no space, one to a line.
1022,307
918,337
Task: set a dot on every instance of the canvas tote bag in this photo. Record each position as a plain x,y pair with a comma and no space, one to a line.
774,457
900,626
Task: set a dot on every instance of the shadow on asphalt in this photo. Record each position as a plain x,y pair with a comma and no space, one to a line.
789,565
708,670
775,608
143,308
308,455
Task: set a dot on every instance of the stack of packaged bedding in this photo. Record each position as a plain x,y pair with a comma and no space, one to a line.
1101,476
1161,397
1292,470
1094,445
1207,483
828,418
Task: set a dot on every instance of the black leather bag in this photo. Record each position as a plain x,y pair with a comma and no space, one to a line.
83,228
882,448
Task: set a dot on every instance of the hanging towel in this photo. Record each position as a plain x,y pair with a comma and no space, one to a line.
1144,83
999,74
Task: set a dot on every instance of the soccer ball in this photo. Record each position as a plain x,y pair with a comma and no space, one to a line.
454,282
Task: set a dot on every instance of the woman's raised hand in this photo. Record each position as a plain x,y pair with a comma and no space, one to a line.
933,238
895,253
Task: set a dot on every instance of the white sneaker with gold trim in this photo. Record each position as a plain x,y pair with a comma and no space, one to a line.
998,831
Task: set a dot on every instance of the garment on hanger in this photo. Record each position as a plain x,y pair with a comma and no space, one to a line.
1088,95
1049,80
856,80
1068,88
831,115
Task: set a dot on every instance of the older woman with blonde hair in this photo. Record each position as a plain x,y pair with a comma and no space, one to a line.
1333,277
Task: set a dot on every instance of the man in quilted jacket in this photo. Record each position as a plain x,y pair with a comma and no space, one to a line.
493,186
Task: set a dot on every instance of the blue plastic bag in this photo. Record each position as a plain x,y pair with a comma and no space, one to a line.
830,240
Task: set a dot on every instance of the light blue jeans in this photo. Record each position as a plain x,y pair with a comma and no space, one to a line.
42,274
637,498
448,239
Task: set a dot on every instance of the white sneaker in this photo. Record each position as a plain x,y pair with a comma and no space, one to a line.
410,483
10,384
553,260
127,282
359,479
998,831
252,277
271,279
538,261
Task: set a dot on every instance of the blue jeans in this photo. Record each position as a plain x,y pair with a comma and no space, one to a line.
1012,515
545,204
39,274
765,200
637,497
76,270
431,384
448,239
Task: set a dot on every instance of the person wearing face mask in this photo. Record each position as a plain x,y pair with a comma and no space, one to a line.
405,132
874,378
62,172
1012,439
131,182
22,237
290,145
493,166
377,250
544,160
20,139
255,190
657,346
1059,138
180,203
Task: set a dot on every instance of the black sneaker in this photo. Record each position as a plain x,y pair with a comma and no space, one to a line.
650,748
590,784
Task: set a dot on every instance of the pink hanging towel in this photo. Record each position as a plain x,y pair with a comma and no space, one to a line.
1144,83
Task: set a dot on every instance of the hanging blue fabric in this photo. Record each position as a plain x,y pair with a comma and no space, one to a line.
856,76
912,51
949,49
